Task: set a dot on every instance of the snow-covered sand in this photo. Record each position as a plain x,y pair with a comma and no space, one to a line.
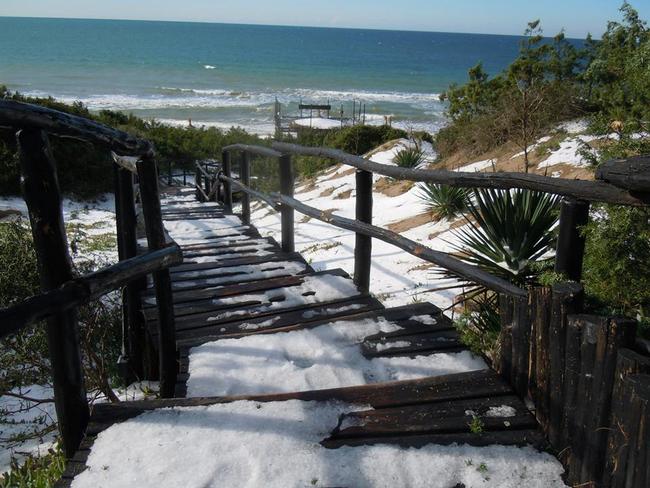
397,278
249,444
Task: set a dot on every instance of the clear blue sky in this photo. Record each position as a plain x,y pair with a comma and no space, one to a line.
483,16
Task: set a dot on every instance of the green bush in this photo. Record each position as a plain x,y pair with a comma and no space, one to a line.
409,157
357,139
36,472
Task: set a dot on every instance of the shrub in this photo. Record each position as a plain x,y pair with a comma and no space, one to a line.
508,232
617,262
35,472
409,157
443,201
480,324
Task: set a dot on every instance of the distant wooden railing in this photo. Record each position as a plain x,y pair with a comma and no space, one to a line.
62,292
578,370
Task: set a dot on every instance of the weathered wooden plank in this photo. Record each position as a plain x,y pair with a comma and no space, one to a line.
619,334
474,384
207,300
567,298
527,437
441,340
443,417
190,327
628,363
594,335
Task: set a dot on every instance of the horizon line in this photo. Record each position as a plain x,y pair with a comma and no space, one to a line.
279,25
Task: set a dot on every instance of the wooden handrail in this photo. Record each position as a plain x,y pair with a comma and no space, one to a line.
257,150
86,288
455,265
19,115
593,191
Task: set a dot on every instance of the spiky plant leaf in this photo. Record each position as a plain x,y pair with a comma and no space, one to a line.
508,232
409,157
443,201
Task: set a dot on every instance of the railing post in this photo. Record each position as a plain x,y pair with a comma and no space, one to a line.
197,184
570,243
286,189
169,173
227,187
132,326
245,178
42,195
363,244
206,181
150,198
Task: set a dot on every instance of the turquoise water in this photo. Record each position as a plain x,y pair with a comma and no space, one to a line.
224,75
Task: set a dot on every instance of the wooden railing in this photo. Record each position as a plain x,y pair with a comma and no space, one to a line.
62,292
578,370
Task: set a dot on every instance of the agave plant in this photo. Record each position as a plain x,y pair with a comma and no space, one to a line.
444,202
508,232
409,157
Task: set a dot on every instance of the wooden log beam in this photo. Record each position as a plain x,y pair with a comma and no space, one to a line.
570,247
286,211
622,423
43,198
632,174
270,201
20,115
444,260
245,177
592,191
257,150
363,243
148,176
227,188
566,299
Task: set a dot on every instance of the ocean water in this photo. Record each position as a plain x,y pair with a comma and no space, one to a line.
225,75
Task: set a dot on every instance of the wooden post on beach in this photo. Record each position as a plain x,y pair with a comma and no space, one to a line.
227,187
245,178
43,198
286,188
363,244
147,173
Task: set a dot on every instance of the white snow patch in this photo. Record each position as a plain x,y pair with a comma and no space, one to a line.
250,444
391,345
26,417
260,325
476,167
568,153
501,411
327,356
424,319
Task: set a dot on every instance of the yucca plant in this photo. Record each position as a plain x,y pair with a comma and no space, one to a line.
409,157
443,201
508,232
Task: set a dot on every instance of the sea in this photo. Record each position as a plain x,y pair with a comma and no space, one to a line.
228,75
